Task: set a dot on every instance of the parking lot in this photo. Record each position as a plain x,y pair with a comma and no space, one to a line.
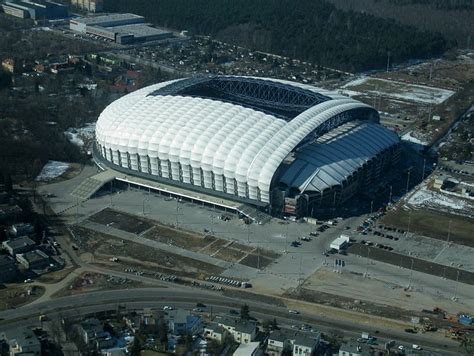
266,255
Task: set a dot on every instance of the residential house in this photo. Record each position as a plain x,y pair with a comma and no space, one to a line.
243,331
88,329
276,343
35,259
133,322
305,345
353,348
21,229
215,332
21,342
9,212
19,245
8,269
182,322
103,340
247,349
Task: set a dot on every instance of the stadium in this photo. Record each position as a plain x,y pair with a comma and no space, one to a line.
278,146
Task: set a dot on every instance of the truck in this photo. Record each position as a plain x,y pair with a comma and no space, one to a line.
340,243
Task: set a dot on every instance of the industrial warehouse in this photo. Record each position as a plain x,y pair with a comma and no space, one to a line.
280,146
120,28
38,10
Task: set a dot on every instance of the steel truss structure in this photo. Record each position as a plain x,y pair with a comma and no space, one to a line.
270,96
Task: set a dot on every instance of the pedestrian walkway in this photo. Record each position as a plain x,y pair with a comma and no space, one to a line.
91,185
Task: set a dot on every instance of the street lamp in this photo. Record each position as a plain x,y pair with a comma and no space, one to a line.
411,273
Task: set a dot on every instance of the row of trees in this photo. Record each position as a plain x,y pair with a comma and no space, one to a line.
311,30
453,19
438,4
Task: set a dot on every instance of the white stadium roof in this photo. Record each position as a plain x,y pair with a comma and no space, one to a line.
230,140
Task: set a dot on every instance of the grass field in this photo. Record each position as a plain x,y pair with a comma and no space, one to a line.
431,224
16,296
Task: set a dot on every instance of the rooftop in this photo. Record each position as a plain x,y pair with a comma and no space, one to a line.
178,316
21,241
139,30
5,261
243,326
98,20
354,347
246,349
20,337
307,341
34,256
279,335
215,328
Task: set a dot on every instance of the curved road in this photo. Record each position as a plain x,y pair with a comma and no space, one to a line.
187,297
170,293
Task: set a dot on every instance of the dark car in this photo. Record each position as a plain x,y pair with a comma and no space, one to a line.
234,312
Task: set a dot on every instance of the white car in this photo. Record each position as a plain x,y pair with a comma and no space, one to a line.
416,347
292,311
401,348
167,307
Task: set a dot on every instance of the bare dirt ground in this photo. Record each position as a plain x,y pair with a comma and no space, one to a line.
351,291
54,277
219,248
16,296
121,221
89,282
256,261
431,224
229,254
414,263
180,238
103,247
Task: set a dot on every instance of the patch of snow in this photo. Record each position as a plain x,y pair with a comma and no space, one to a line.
351,93
433,199
51,170
78,135
408,137
356,82
399,90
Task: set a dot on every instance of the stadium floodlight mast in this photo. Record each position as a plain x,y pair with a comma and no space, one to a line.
455,296
411,273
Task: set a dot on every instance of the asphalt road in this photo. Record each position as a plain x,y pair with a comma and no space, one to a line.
187,297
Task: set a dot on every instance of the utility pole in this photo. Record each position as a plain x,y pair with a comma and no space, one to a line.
423,173
371,206
456,287
388,61
409,221
449,231
258,258
411,273
301,273
408,178
368,261
177,212
390,196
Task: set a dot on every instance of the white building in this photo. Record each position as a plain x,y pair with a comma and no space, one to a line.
255,140
340,243
243,331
